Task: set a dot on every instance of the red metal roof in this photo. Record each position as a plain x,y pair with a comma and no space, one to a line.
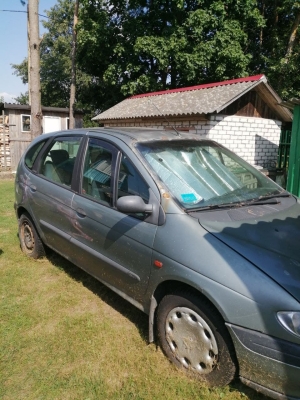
199,87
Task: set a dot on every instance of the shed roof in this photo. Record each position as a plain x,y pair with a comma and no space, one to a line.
194,100
25,107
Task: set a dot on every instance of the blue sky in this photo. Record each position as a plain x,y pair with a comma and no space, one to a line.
13,48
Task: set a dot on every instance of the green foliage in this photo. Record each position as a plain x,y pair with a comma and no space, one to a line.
130,47
153,45
23,98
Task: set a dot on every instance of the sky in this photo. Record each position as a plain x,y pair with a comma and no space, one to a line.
13,48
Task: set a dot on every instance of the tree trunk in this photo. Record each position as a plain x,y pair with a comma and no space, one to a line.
34,68
292,38
73,72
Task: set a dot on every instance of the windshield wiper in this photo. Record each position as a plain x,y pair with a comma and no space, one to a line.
270,199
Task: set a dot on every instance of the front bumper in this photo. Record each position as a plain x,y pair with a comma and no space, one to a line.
267,364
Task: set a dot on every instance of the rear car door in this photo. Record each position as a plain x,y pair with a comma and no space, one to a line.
112,246
50,190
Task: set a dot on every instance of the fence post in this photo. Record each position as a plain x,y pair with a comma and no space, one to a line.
293,181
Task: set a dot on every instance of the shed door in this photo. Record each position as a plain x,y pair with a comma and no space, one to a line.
52,124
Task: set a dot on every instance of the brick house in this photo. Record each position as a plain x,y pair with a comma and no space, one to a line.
243,114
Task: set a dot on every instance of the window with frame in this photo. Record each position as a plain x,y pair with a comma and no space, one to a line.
32,154
97,179
25,123
58,162
130,182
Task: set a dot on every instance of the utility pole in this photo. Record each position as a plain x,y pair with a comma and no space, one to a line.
34,68
73,72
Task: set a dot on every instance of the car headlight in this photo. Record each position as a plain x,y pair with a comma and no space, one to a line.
290,320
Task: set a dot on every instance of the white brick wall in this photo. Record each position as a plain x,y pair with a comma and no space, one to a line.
254,139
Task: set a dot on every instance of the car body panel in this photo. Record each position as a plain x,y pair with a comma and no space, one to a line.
125,240
260,240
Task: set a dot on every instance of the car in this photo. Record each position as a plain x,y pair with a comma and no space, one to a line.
188,232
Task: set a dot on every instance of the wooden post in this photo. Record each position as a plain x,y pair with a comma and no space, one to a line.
4,145
73,72
35,85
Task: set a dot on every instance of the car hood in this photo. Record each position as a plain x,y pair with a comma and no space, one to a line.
271,242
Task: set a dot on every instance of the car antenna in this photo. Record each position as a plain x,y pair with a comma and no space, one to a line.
151,102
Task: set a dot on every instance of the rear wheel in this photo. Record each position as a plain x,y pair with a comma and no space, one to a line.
193,336
31,243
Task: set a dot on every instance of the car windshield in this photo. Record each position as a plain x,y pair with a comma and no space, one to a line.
201,174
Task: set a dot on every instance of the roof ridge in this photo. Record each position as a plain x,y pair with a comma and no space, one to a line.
203,86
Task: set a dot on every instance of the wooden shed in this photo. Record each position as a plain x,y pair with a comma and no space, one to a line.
15,133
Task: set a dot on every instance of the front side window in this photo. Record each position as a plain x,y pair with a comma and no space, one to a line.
130,182
58,162
201,174
97,173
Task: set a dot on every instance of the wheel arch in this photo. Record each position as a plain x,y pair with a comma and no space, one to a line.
171,287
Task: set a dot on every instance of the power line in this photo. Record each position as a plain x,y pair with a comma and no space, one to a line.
41,15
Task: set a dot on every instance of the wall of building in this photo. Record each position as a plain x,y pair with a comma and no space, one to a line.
254,139
19,139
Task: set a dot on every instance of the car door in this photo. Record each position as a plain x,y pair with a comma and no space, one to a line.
112,246
50,190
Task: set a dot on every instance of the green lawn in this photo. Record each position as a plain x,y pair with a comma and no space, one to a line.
66,336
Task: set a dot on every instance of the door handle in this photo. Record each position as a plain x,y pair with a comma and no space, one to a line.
81,213
32,188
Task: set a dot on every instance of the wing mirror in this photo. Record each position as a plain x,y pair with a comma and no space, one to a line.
133,205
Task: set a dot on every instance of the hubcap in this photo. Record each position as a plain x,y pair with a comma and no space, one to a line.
28,238
191,340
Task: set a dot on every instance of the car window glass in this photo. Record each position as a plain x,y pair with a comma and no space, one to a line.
58,162
96,182
130,182
32,154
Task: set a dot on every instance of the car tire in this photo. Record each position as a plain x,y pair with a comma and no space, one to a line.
193,336
31,243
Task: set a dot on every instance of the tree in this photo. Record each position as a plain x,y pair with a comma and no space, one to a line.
34,67
73,67
276,51
160,44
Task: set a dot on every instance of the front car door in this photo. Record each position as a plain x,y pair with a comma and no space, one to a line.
114,247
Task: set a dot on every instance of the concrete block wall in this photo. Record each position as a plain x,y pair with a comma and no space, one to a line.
256,140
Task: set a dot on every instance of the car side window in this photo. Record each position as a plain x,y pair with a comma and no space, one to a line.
58,162
32,154
130,182
97,179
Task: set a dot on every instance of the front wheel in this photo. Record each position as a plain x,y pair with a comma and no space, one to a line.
193,336
31,243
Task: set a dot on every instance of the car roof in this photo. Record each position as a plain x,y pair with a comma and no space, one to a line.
133,134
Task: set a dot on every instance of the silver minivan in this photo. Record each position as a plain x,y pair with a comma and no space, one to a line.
186,231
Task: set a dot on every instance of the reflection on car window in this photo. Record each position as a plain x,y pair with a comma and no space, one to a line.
32,154
58,162
130,181
204,174
96,181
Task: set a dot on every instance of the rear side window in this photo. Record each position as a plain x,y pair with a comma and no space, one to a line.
32,154
58,162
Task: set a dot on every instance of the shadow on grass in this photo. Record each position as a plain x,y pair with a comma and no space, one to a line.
111,298
137,317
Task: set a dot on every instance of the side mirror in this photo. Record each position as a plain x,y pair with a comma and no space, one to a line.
133,205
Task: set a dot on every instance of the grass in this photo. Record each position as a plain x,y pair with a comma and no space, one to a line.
66,336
